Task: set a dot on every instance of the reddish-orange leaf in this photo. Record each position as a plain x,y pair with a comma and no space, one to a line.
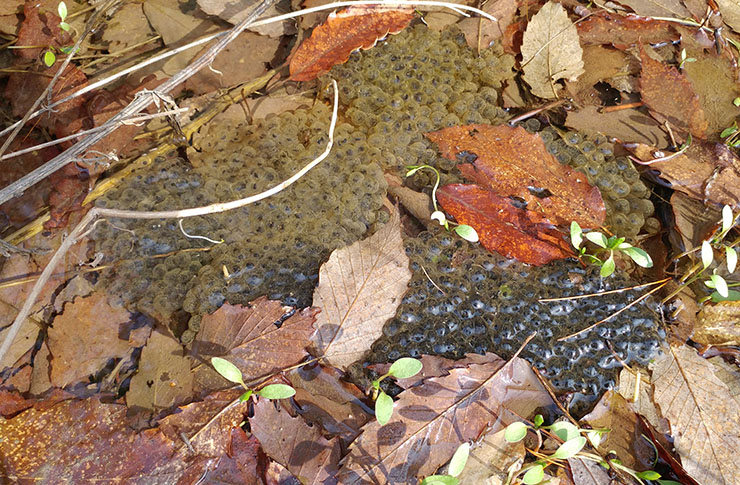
343,32
623,31
516,233
512,162
670,96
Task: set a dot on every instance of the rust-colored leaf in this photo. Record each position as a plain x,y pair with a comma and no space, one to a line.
623,31
431,420
250,338
705,171
671,96
294,444
513,232
512,162
343,32
245,462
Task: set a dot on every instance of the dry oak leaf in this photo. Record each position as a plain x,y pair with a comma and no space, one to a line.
658,8
432,419
84,337
360,288
502,227
623,31
671,96
294,444
709,172
550,50
343,32
718,324
513,162
250,338
704,425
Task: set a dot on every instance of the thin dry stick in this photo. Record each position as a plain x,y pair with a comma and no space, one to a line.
614,314
82,228
600,293
18,187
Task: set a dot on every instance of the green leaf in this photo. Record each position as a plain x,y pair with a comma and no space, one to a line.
383,408
538,420
459,459
405,367
515,432
466,232
576,235
719,284
62,10
731,258
669,482
64,26
648,475
228,370
569,449
49,58
440,480
412,169
707,255
608,267
66,49
376,383
727,218
733,295
729,130
246,395
565,430
594,437
276,391
736,101
639,256
534,475
597,238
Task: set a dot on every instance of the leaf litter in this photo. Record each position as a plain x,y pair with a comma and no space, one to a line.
203,432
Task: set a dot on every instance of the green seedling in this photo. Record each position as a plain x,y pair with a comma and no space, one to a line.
685,59
403,368
463,230
50,56
231,373
606,246
715,281
574,441
731,134
455,468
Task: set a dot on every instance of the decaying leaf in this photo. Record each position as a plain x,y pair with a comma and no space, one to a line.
502,227
234,11
512,162
343,32
163,379
627,125
658,8
640,400
719,324
730,10
249,337
431,420
482,32
491,460
623,31
709,172
245,462
550,50
85,336
360,288
705,429
670,96
291,442
587,472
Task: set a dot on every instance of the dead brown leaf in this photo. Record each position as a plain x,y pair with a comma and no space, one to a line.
359,289
708,172
706,431
658,8
84,337
481,32
623,31
244,463
234,11
602,65
491,459
512,162
587,472
627,125
297,446
343,32
671,96
718,324
643,403
431,420
127,27
163,379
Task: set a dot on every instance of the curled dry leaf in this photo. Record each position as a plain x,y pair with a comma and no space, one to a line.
705,429
718,324
550,50
671,96
709,172
431,420
360,288
343,32
294,444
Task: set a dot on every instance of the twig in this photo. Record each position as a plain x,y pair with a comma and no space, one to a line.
81,229
600,293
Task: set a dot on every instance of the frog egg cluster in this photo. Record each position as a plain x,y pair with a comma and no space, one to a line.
462,299
273,247
417,82
626,197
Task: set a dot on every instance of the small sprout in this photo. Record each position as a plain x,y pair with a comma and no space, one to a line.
597,238
246,395
515,432
736,101
727,219
383,408
439,216
608,267
49,58
459,459
405,367
466,232
594,437
685,59
534,475
639,256
228,371
440,480
731,258
576,235
538,420
62,10
707,255
718,283
729,130
565,430
570,448
276,391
